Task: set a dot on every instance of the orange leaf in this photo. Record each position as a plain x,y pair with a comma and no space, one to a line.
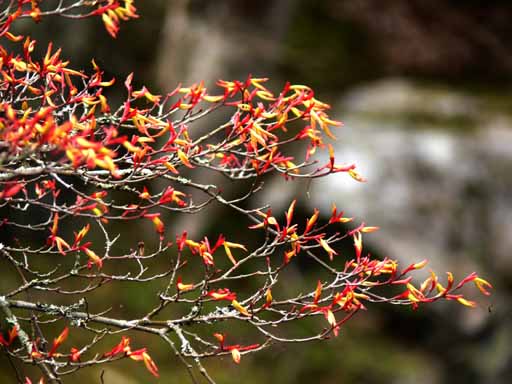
318,292
331,252
268,297
481,284
61,244
220,337
358,244
183,287
228,245
229,254
289,213
240,308
213,99
150,364
369,229
222,294
144,194
93,258
311,221
331,319
81,234
235,354
184,159
159,225
122,347
465,302
58,341
55,224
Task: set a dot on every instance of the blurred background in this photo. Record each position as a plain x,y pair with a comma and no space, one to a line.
424,91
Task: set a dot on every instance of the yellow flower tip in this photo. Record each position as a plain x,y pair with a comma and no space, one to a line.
331,252
482,284
240,308
213,99
356,176
369,229
420,265
465,302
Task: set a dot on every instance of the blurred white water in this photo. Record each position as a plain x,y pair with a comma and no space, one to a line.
439,187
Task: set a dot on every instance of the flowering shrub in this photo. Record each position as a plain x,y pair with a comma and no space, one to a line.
76,172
